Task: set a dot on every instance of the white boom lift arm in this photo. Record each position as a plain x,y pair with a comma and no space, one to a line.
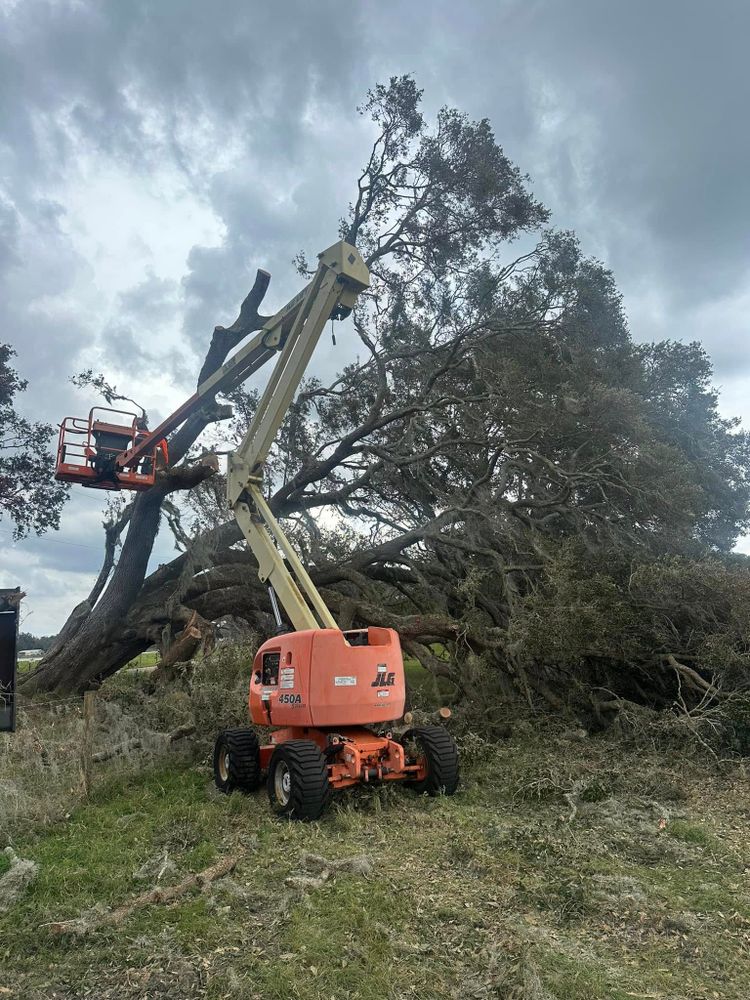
340,277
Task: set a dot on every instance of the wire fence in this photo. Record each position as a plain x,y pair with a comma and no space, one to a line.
60,746
32,706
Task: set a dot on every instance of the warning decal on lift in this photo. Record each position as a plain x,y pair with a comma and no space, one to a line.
342,682
286,677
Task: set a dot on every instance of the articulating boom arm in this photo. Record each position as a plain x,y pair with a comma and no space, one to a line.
340,277
270,339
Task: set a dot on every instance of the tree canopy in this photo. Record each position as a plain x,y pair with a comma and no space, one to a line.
29,496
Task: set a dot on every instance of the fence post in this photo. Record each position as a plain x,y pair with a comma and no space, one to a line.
89,708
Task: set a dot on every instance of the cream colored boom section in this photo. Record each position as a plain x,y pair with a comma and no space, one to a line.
340,277
244,363
262,532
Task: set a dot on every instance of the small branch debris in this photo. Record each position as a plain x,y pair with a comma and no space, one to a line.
17,879
156,868
571,798
360,864
95,919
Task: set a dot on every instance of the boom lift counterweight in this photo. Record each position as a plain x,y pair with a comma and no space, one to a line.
328,693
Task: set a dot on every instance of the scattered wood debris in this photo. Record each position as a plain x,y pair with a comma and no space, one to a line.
95,919
360,864
16,880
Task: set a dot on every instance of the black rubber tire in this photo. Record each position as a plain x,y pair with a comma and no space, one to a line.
441,754
309,790
237,761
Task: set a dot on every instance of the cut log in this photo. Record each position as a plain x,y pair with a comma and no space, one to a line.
187,643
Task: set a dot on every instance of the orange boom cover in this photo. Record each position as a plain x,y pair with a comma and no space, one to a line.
324,677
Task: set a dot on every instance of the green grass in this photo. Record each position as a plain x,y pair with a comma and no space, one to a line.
495,892
691,833
424,689
147,659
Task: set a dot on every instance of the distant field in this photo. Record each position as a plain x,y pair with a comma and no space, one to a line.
148,659
25,665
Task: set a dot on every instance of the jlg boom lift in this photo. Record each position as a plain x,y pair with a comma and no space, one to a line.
327,695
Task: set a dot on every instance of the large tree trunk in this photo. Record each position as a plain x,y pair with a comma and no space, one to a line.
76,662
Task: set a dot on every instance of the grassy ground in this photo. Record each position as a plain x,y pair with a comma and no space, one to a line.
566,867
147,659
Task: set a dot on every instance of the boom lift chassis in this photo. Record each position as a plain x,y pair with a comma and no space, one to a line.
332,693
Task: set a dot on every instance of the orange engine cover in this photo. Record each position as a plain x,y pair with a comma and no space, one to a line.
324,677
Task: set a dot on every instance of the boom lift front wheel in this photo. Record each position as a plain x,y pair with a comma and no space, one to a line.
437,748
298,785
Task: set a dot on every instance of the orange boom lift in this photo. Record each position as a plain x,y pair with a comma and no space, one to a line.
328,695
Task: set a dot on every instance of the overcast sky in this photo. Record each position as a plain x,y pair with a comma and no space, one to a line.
153,153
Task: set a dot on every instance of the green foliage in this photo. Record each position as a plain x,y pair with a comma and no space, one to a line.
211,694
28,641
218,688
431,199
574,614
29,496
555,483
592,613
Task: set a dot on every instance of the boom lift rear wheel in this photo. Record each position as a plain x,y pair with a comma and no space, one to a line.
237,761
298,785
438,749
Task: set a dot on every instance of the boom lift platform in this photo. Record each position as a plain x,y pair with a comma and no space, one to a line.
90,451
329,695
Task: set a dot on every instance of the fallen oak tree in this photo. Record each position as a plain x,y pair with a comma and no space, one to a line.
507,474
445,212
